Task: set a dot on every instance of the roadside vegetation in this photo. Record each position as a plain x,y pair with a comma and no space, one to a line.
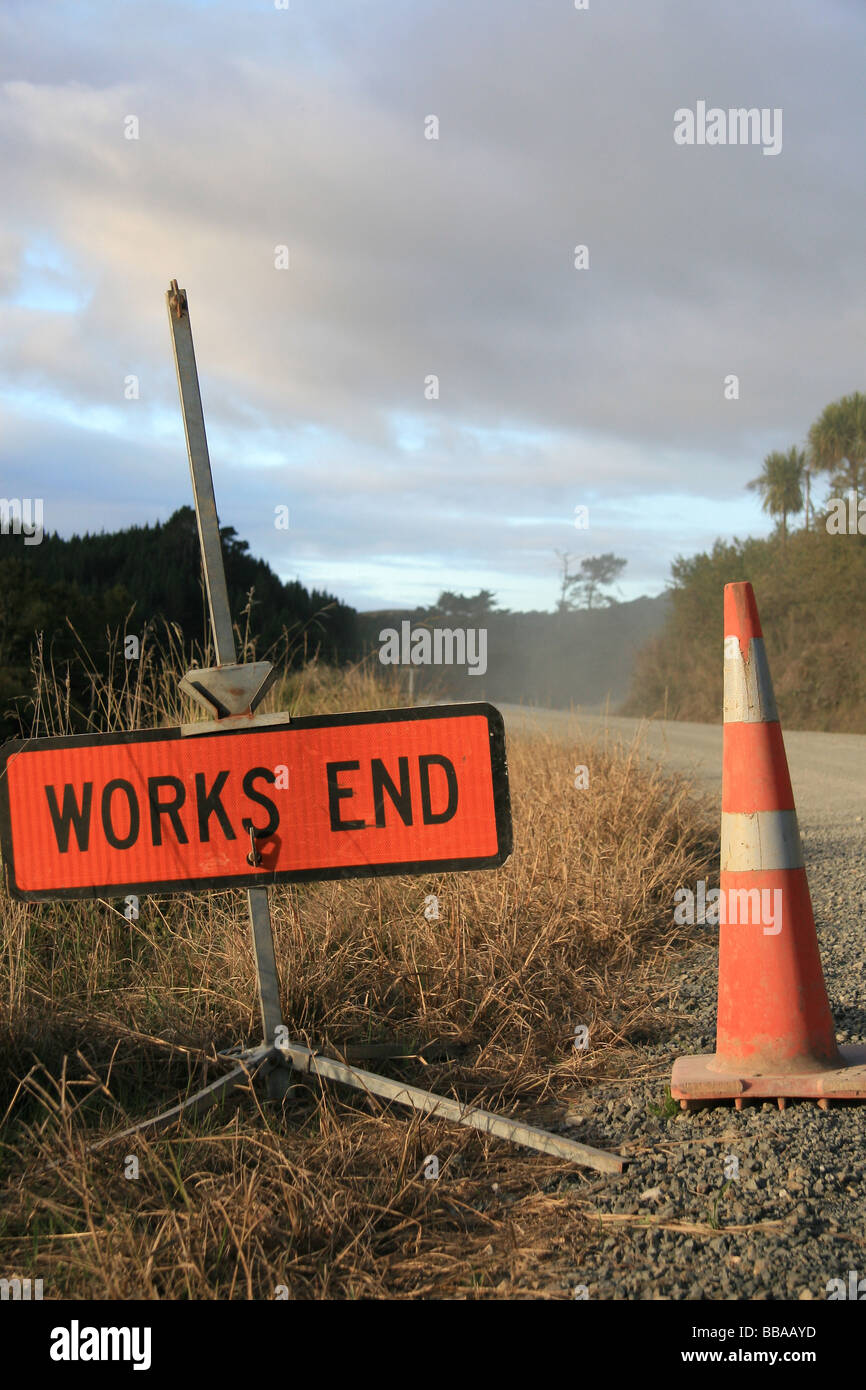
104,1021
810,584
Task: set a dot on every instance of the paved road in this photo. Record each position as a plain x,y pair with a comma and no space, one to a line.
828,771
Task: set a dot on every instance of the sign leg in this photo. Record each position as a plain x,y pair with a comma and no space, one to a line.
279,1082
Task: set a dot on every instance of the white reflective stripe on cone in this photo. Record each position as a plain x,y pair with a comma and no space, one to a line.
760,840
749,697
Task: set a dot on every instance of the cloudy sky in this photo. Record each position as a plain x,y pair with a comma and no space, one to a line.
411,258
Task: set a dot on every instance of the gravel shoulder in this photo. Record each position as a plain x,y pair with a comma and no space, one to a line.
717,1203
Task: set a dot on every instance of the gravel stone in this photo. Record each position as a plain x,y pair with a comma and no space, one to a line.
800,1184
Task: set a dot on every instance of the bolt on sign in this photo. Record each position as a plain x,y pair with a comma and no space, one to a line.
339,796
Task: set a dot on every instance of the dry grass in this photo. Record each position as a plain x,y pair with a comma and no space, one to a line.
104,1020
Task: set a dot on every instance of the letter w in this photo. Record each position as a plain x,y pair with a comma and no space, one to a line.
71,815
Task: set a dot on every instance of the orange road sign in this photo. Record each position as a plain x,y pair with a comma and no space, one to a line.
338,796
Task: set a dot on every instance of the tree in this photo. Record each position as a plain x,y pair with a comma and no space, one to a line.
596,572
781,484
837,442
469,606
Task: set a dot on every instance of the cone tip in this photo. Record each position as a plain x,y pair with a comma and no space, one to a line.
741,613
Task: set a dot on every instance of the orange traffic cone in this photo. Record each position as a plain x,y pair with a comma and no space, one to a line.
774,1034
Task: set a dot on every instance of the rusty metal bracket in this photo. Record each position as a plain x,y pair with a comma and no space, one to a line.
177,300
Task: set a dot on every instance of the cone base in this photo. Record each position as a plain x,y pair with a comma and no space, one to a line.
699,1078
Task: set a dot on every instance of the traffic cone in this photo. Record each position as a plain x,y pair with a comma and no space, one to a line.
775,1035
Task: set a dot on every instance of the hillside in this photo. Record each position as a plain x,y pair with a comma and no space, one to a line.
811,593
137,579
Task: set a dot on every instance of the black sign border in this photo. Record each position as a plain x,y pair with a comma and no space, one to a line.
269,879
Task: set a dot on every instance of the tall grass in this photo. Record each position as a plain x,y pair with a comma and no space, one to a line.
104,1020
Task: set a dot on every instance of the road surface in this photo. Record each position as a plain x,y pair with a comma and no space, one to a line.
828,771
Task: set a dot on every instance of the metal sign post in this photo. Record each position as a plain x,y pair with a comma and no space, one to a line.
231,688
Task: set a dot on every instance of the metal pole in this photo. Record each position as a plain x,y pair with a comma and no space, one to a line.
202,478
221,621
303,1059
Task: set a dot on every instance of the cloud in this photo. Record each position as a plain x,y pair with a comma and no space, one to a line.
411,257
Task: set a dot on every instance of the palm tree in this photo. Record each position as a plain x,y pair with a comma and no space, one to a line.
780,484
837,441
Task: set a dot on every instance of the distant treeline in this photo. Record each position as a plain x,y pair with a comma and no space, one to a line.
811,592
582,657
81,597
146,575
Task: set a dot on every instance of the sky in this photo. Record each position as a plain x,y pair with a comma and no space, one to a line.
431,385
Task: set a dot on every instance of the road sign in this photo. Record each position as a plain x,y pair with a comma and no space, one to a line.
396,791
338,796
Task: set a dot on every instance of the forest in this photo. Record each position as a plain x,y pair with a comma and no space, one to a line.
78,595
